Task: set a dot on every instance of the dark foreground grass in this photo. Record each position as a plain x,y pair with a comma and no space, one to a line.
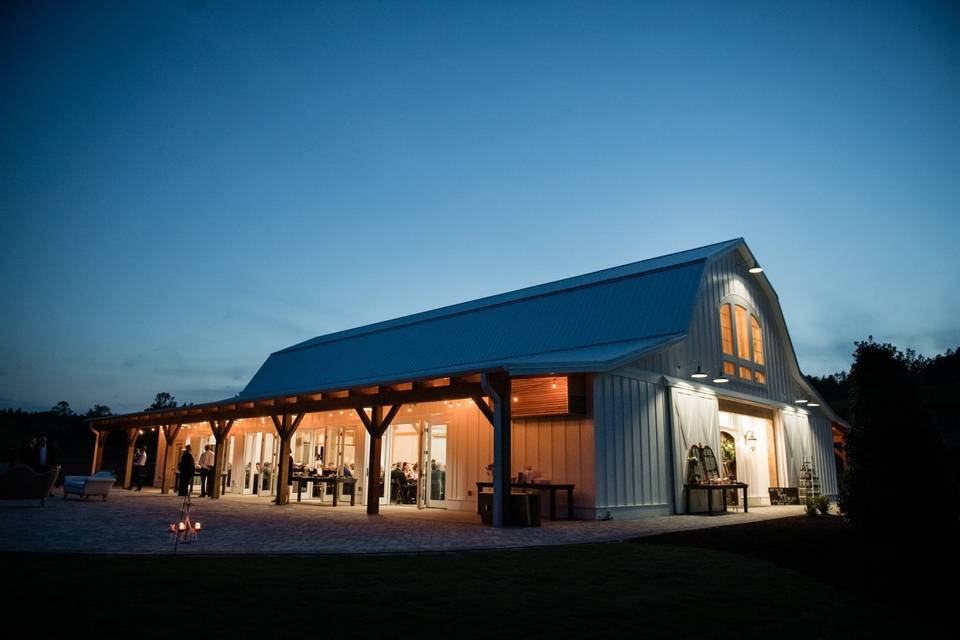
580,591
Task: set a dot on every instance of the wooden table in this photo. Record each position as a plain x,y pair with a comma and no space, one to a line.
710,488
337,483
552,488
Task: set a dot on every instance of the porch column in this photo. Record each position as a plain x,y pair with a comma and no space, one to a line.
132,434
100,437
286,426
170,433
376,425
498,387
221,429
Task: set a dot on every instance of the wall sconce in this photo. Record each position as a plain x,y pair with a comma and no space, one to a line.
751,439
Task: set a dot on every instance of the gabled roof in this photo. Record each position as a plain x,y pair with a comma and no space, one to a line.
585,323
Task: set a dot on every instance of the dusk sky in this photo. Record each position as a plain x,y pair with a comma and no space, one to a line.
186,187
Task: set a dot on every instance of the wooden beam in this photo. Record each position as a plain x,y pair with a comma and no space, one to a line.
329,402
221,430
497,388
484,408
132,434
170,432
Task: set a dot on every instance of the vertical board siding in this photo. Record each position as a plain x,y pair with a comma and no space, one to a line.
631,431
561,450
721,279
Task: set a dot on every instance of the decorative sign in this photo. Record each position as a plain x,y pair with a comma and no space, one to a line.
784,495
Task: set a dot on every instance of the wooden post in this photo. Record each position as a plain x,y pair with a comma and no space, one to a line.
100,437
497,386
132,434
376,425
221,429
285,427
170,432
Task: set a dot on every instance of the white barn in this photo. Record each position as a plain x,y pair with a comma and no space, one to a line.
606,381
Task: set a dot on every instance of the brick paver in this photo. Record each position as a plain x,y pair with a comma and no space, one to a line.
137,523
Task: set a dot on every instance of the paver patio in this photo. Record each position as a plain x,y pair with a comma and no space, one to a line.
136,523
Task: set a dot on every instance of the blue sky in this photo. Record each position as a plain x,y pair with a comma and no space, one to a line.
188,186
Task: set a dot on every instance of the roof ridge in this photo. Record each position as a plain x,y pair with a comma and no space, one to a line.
499,299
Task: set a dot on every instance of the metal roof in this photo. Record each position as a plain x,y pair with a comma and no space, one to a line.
584,323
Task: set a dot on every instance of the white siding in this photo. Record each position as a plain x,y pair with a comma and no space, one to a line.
632,443
723,278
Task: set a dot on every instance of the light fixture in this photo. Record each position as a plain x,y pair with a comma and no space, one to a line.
698,374
756,268
721,379
515,398
800,401
814,403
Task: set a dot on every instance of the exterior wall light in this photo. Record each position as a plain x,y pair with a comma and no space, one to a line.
721,379
698,374
800,401
756,268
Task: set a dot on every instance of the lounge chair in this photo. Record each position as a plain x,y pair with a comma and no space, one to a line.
23,483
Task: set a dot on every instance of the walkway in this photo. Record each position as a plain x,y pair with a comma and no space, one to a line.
137,523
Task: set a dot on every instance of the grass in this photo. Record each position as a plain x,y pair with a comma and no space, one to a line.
758,580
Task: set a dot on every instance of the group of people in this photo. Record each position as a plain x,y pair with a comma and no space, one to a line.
188,468
404,477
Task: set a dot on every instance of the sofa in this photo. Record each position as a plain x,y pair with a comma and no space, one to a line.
98,484
21,482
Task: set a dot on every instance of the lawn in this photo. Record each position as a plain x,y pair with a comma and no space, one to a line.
759,580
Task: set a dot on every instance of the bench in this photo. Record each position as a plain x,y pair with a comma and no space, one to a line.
98,484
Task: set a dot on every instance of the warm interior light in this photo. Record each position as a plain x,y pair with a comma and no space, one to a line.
698,373
515,398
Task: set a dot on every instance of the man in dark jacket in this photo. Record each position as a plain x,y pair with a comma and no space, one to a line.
187,468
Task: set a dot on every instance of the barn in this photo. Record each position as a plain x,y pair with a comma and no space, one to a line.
634,389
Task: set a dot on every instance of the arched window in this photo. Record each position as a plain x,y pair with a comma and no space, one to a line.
741,339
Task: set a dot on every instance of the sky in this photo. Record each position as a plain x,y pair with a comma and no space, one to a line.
186,187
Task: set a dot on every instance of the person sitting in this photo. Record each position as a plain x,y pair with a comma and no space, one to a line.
398,484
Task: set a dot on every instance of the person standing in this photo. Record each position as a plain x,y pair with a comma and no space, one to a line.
140,466
207,459
187,468
136,466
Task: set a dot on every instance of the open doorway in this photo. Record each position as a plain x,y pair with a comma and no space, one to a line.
749,448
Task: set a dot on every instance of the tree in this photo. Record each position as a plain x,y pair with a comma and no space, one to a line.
62,409
163,401
99,411
896,461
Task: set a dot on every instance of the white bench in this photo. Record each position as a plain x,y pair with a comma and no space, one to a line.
86,486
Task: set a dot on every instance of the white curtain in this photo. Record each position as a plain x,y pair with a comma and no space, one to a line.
695,421
798,441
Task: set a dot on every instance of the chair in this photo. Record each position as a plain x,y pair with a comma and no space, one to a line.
23,483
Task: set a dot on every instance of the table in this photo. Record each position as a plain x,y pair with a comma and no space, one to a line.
337,483
552,488
709,488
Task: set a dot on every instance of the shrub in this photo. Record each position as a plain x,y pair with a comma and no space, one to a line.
811,506
823,504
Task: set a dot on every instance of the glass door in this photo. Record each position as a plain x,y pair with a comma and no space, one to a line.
432,485
401,462
252,443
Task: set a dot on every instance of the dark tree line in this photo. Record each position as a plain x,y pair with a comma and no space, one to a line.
903,449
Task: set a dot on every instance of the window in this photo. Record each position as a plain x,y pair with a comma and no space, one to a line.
726,330
743,343
741,339
757,340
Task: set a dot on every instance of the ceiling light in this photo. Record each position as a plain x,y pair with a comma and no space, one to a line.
515,398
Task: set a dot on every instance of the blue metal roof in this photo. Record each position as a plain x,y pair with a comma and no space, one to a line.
577,324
